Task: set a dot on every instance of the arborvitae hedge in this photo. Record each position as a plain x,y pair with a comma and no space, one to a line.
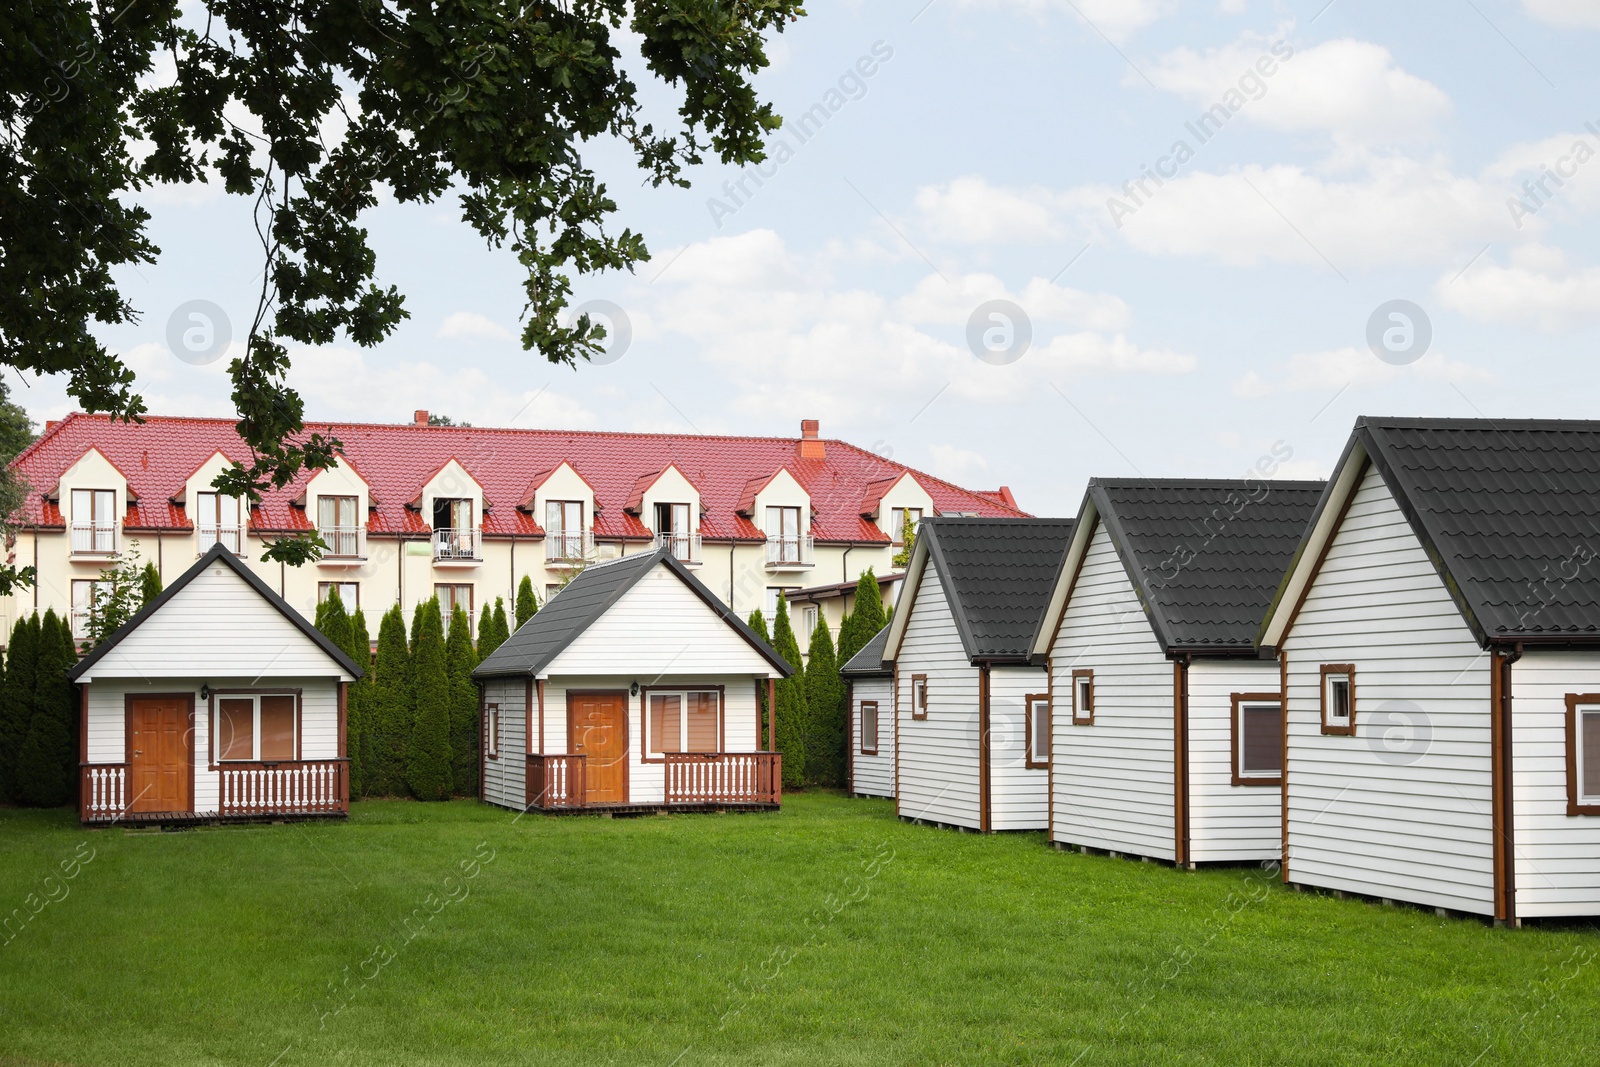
863,623
486,633
428,764
459,662
390,719
791,700
758,623
358,707
527,603
502,628
150,584
824,725
16,702
48,759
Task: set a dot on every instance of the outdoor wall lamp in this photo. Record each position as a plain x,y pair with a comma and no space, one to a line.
633,690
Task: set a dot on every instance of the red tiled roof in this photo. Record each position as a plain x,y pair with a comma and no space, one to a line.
159,455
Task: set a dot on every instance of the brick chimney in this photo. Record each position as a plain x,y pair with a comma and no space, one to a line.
419,417
811,446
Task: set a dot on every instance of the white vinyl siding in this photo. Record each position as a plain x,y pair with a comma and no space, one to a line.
1114,779
939,754
505,779
1227,823
1364,816
873,775
1018,794
1557,855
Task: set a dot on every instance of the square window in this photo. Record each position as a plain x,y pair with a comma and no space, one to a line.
1583,753
1257,739
257,726
684,722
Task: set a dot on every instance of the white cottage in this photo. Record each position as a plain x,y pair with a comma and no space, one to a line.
216,701
1439,636
633,688
871,687
1167,731
971,712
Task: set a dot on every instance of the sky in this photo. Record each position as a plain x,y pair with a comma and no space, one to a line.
1023,242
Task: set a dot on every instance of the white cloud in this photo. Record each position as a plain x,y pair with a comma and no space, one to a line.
1568,14
969,210
1335,370
1117,19
959,465
470,326
1536,290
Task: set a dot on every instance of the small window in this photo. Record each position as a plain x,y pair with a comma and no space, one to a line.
338,525
86,594
257,727
685,722
1038,730
1257,739
808,622
563,529
902,520
454,596
550,591
869,727
491,731
94,521
1583,754
919,696
349,593
218,520
1082,697
1338,698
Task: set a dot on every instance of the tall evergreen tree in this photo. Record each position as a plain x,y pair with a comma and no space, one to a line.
527,603
502,628
150,583
47,761
824,725
485,632
428,767
492,632
392,708
791,700
16,703
758,623
864,622
358,707
460,659
417,619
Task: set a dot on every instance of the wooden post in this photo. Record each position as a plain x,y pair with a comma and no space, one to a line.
983,748
772,715
344,719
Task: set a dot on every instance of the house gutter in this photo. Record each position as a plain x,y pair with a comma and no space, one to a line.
983,746
1180,759
1502,814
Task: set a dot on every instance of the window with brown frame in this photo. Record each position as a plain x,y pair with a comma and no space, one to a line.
1083,697
1339,698
1038,730
491,731
688,721
869,727
1257,739
919,696
1583,753
349,594
257,727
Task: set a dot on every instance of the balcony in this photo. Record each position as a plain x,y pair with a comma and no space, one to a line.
568,549
457,546
94,539
229,537
347,545
685,546
789,553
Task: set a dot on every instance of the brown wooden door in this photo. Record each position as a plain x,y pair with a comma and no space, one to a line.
158,754
598,731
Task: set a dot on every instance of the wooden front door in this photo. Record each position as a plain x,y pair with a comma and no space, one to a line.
597,729
159,741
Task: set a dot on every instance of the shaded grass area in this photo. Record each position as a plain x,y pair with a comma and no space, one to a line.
827,933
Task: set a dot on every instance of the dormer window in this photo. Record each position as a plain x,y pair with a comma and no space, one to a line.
455,534
901,519
786,543
340,526
94,521
675,531
564,530
218,521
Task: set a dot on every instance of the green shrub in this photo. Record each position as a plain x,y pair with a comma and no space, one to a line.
16,701
48,759
390,719
791,700
428,764
460,659
824,724
527,603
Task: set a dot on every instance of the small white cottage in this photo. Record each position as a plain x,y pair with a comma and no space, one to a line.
633,688
1167,733
217,701
971,712
1439,636
871,688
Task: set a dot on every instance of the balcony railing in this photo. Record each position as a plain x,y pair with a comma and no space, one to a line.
94,538
685,546
568,549
302,787
555,782
788,552
722,778
230,537
103,792
344,542
455,545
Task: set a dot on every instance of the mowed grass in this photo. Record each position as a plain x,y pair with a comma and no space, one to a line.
829,933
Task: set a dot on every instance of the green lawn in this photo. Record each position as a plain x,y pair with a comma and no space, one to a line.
829,933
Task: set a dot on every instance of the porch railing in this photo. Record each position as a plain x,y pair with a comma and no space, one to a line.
103,792
303,787
555,782
724,778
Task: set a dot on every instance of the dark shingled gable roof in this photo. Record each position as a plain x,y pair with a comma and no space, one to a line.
1509,510
869,660
998,575
587,597
1206,556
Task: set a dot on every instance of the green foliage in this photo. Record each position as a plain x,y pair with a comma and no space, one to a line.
16,701
16,429
149,584
758,623
392,708
47,762
492,631
824,727
335,624
428,765
460,659
791,700
527,603
502,629
359,707
120,596
16,434
864,622
902,558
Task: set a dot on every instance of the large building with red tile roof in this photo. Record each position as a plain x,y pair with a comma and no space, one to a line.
413,510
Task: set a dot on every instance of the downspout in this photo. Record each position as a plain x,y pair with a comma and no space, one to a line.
983,747
844,564
731,548
1180,755
36,564
1504,816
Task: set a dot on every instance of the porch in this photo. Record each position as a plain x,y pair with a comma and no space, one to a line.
299,789
708,781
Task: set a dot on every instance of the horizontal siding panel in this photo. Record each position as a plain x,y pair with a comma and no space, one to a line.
938,755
